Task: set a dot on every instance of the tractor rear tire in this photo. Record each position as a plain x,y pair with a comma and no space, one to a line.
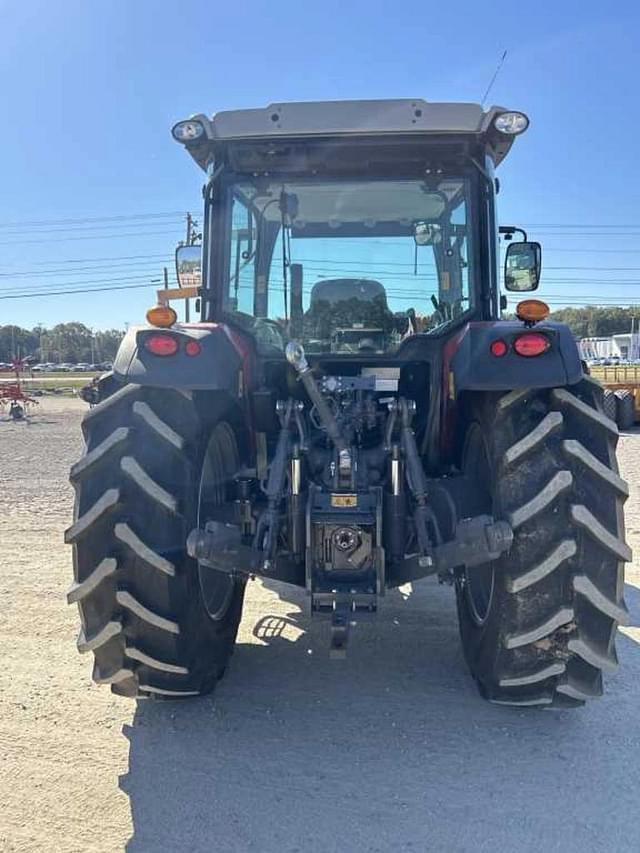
142,609
538,625
609,406
625,409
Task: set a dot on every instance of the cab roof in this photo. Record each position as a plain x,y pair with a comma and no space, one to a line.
302,121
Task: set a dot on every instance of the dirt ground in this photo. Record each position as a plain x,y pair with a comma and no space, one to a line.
389,750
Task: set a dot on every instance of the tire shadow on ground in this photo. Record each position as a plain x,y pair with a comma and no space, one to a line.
390,749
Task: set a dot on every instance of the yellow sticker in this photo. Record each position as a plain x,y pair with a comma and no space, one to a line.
344,500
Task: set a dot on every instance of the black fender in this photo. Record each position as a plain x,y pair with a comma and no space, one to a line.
469,368
472,367
221,364
219,376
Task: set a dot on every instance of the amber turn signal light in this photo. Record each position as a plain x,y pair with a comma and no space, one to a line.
532,310
161,316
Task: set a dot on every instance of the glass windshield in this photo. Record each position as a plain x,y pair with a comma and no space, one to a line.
348,266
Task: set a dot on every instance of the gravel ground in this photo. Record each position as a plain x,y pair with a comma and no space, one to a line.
391,749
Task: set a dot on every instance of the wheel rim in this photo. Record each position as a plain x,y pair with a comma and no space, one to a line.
479,582
219,466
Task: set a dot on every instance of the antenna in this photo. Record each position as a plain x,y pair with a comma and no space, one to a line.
493,79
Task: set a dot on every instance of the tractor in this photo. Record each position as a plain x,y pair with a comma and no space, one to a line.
350,413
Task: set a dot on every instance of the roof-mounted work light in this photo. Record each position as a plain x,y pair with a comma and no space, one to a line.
187,131
511,123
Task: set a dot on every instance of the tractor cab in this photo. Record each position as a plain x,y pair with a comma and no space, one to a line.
326,219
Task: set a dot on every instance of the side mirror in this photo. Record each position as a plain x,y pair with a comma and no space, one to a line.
426,233
522,266
189,266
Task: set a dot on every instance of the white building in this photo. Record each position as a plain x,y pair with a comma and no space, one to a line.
625,346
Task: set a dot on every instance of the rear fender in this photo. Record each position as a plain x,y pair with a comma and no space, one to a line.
220,377
468,365
472,367
224,362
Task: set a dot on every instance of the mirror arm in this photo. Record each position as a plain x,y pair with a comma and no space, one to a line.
167,294
510,230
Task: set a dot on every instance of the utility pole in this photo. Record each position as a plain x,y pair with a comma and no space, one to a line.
187,307
166,278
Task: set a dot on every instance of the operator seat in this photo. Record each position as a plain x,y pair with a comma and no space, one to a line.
339,307
334,290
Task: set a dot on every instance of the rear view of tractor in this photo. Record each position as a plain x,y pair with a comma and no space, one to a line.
351,414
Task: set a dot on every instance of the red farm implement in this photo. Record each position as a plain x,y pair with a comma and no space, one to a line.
13,400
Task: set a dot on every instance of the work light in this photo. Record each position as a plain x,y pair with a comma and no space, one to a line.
511,123
187,131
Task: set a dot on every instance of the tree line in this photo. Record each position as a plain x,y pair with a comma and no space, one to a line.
596,322
75,342
66,342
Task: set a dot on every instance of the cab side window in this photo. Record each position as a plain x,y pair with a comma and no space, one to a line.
242,259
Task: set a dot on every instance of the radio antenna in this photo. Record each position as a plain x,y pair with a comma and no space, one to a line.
493,79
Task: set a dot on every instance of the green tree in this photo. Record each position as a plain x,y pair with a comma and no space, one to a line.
106,344
16,343
595,321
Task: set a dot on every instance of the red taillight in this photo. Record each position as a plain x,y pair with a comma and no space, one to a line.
192,348
161,344
531,344
498,348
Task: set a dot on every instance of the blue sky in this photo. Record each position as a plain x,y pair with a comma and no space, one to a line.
91,90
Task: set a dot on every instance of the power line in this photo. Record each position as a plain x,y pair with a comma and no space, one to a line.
65,292
598,251
85,237
81,270
553,299
552,249
115,218
581,225
92,260
53,285
111,225
543,233
180,214
169,259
